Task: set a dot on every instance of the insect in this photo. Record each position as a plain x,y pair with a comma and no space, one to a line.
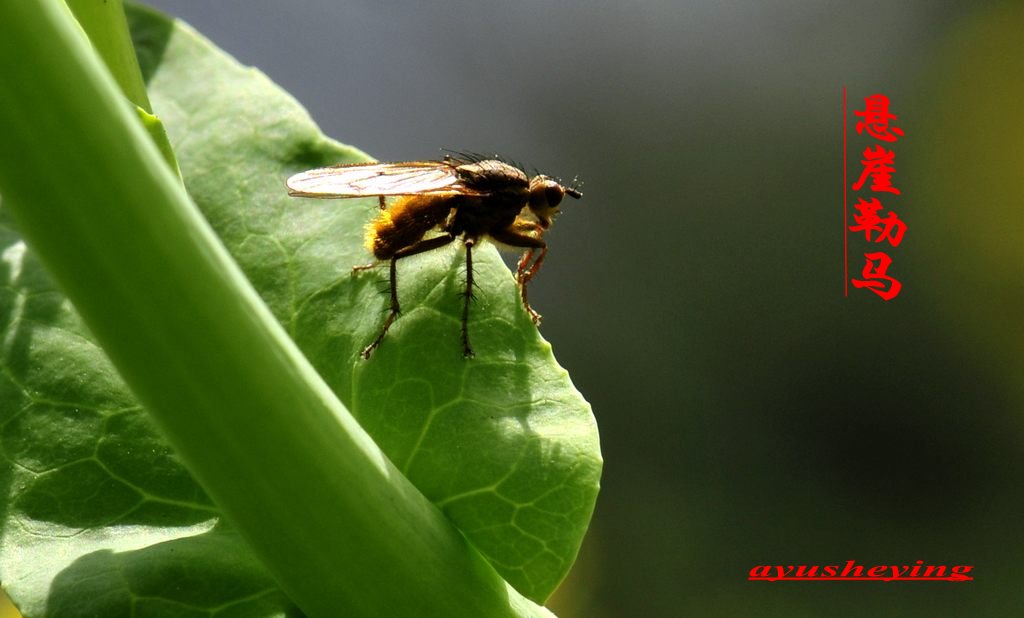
463,196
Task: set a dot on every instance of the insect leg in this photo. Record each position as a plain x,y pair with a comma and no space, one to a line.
525,235
361,268
391,316
523,275
413,249
467,351
523,262
383,202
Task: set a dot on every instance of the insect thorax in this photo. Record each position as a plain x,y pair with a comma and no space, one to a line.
494,177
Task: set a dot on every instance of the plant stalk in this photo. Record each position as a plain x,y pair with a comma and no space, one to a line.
342,530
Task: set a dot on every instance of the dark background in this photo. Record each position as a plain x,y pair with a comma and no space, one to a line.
750,413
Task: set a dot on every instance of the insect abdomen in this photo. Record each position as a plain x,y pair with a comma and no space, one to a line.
405,222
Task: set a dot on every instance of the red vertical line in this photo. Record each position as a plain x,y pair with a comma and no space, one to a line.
846,249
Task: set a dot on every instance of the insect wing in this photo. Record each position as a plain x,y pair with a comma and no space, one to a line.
368,179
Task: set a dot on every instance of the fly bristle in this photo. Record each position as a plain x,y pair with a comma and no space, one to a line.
469,156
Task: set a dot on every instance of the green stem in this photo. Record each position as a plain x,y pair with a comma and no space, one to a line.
105,24
342,530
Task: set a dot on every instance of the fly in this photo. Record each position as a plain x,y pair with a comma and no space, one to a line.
465,197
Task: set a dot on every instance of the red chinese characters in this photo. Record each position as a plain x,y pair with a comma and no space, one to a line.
879,224
875,277
889,228
879,164
876,119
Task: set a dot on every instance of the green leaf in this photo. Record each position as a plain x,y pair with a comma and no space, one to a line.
101,516
503,443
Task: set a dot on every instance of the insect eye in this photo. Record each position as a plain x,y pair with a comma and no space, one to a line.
545,193
553,194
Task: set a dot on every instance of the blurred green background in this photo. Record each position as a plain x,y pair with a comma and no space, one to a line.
750,414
